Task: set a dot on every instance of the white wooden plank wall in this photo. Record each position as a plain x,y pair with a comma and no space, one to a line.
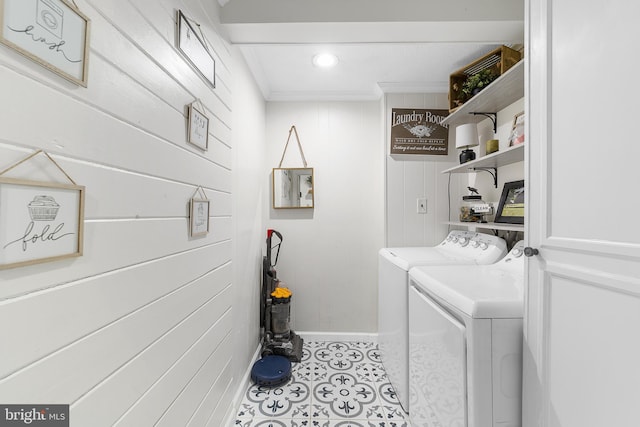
333,249
408,179
137,331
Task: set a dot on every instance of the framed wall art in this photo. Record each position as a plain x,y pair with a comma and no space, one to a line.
511,206
198,128
199,213
39,221
194,47
199,217
516,136
53,33
419,131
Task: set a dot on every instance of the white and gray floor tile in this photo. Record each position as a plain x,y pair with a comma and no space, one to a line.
336,384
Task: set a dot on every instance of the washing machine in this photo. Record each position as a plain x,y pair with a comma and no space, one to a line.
465,344
458,248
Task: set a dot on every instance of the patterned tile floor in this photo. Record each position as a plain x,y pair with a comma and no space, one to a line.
337,384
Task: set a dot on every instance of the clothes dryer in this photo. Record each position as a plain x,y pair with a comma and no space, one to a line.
458,248
465,344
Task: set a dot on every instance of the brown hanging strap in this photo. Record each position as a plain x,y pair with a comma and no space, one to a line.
295,131
32,156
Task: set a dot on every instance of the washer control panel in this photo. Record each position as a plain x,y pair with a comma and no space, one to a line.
515,258
484,248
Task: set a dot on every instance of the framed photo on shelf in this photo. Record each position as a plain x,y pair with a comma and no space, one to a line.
198,129
39,222
199,217
516,136
511,206
53,33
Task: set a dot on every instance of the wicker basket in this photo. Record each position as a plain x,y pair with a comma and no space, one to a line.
498,60
43,208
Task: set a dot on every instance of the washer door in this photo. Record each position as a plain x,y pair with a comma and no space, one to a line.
437,364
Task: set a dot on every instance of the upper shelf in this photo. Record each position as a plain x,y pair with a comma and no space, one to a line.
494,160
502,92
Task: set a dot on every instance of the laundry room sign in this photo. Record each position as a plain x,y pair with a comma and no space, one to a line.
419,131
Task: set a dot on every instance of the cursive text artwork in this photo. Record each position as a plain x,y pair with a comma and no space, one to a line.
30,236
55,46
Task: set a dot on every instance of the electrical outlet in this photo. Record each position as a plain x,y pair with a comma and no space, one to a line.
422,205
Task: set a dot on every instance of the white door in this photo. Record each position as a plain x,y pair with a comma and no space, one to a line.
582,321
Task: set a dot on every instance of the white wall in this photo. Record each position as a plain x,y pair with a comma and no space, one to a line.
141,329
249,199
514,172
408,179
329,254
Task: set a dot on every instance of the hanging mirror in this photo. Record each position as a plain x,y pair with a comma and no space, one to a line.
292,188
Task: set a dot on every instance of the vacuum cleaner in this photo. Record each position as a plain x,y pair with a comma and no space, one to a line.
280,345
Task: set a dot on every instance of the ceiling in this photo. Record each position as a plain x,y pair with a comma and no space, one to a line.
382,45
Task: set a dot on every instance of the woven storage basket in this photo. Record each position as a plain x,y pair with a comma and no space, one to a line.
43,208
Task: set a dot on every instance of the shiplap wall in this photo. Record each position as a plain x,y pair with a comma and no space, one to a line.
410,178
137,331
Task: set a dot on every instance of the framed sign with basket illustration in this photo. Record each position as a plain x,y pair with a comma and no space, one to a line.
511,206
39,222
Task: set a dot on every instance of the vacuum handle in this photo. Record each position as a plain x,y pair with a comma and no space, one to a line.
271,232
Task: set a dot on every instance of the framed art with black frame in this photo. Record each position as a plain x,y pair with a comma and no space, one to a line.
194,47
511,206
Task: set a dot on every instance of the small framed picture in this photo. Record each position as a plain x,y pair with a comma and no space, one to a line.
517,130
199,217
53,33
194,47
198,129
511,206
39,222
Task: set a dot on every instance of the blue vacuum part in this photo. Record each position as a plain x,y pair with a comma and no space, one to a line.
271,371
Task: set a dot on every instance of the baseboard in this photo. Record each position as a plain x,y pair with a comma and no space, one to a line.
338,336
243,385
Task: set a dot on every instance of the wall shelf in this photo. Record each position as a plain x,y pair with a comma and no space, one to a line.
488,225
502,92
494,160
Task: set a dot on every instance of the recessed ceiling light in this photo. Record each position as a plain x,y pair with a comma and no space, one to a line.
325,60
